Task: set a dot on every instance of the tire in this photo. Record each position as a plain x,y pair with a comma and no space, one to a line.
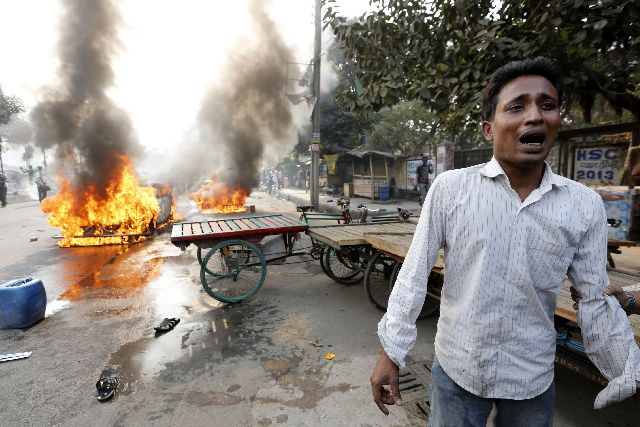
340,268
199,255
379,294
233,271
377,280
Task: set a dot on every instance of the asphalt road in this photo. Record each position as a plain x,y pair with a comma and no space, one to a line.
256,363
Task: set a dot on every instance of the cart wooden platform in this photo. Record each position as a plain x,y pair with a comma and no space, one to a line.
234,269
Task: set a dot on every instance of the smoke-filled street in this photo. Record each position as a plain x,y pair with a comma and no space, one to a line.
261,362
320,212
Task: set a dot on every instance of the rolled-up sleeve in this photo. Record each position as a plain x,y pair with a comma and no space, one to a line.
607,335
397,329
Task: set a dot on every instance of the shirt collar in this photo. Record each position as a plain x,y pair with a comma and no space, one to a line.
493,169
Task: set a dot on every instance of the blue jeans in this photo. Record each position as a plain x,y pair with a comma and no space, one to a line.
451,405
423,192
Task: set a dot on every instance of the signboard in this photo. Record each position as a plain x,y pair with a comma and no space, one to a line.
412,167
599,165
314,147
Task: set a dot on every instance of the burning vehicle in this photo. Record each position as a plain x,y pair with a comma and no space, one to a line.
121,213
217,197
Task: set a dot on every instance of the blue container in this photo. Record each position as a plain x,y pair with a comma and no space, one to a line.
22,303
384,193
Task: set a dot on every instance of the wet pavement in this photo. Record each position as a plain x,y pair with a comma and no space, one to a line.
260,362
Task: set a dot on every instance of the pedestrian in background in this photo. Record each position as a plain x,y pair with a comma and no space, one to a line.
422,178
3,189
42,185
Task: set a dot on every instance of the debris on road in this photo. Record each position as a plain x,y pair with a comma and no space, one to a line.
329,356
107,385
315,343
14,356
33,239
166,325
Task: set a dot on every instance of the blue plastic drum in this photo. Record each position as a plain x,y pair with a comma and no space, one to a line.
22,303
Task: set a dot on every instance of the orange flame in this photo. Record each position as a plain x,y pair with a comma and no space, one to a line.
216,197
123,213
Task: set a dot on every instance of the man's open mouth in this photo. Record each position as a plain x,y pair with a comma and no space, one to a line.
533,139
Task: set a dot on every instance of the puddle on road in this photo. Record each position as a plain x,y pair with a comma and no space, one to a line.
195,344
124,274
113,281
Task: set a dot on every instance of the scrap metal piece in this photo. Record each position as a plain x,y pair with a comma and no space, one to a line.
14,356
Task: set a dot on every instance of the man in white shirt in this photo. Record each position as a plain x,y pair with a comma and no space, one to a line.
511,230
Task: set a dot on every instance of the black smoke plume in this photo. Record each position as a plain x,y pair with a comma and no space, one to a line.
248,110
77,118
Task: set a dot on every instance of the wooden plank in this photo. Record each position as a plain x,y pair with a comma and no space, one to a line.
271,223
249,224
232,225
395,244
176,230
239,223
215,228
224,228
259,223
288,220
206,228
279,220
564,303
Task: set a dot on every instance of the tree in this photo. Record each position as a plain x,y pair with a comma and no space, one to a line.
408,127
441,52
9,105
27,155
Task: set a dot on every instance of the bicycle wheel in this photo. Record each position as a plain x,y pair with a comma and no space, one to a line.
233,271
199,256
377,280
431,303
342,266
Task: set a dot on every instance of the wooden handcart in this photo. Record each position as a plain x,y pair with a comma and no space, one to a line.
570,353
234,268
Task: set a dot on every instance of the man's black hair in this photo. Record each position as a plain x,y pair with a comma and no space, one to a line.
539,66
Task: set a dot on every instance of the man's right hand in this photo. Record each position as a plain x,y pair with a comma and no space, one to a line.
385,373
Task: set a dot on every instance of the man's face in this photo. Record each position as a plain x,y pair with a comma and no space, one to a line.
526,121
424,161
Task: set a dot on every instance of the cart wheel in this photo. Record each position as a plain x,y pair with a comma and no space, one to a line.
321,259
431,304
317,251
233,271
199,255
377,279
341,266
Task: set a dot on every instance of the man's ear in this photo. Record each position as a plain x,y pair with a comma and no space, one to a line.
487,130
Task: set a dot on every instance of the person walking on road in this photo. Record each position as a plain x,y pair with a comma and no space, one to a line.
511,230
3,189
42,185
422,178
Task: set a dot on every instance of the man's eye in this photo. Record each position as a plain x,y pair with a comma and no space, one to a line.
548,106
516,107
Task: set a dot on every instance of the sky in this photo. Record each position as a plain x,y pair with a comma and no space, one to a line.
171,52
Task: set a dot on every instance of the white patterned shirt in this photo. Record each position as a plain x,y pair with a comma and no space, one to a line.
505,261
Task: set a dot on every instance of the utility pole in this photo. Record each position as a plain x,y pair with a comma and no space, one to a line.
315,118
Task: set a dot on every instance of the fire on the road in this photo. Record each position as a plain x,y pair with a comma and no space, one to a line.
216,197
123,212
